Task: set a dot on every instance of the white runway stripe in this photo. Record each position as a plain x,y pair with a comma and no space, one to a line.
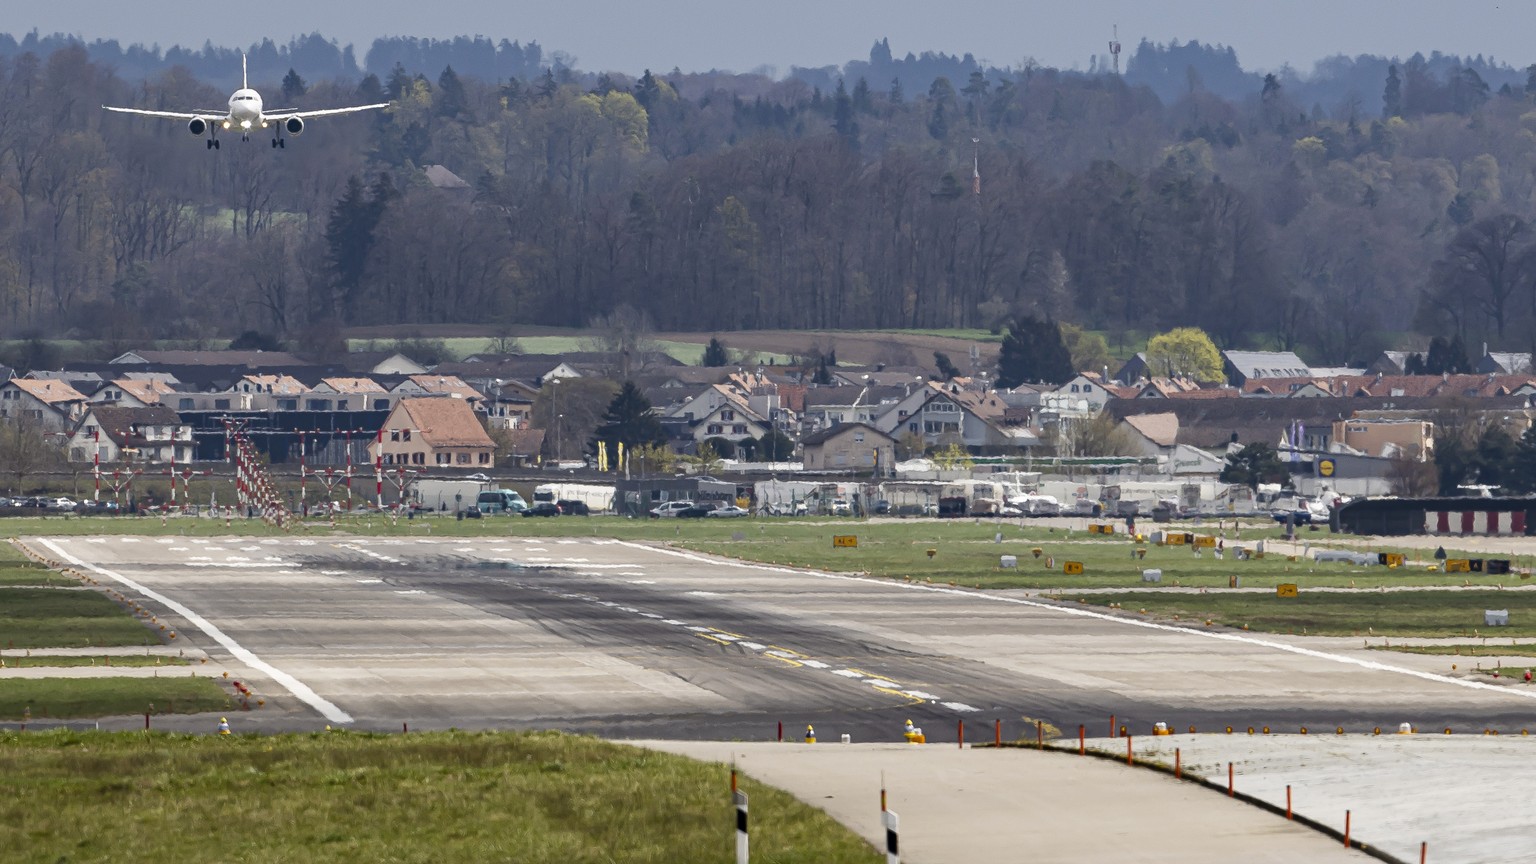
298,688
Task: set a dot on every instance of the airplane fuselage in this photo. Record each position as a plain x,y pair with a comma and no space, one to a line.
245,110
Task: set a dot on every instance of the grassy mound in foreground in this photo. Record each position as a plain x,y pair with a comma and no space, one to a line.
525,797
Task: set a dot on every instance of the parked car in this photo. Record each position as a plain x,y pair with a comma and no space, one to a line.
841,507
882,508
671,508
698,511
570,507
542,508
730,511
62,505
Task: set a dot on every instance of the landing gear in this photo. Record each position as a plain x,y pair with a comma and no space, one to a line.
278,142
213,143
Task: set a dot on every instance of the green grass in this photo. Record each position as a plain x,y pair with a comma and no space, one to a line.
1468,650
1404,613
65,618
14,661
17,569
64,698
533,798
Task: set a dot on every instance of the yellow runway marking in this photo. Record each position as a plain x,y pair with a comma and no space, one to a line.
911,700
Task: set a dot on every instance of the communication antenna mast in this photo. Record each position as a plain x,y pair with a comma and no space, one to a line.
1114,48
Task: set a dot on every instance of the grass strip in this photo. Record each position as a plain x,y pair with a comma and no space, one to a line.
535,798
65,698
14,661
52,618
1361,613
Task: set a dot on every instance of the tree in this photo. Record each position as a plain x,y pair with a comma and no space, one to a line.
26,449
629,421
293,87
650,459
254,340
1089,350
775,446
1520,471
1392,95
1444,358
1185,352
715,353
568,410
1484,269
1033,350
1096,436
1254,464
1411,476
947,369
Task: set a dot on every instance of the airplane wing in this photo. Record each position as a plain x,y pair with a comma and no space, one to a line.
325,112
173,115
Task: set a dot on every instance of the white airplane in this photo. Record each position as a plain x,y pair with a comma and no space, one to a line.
246,114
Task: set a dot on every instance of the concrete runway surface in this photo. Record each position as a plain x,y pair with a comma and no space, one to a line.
629,640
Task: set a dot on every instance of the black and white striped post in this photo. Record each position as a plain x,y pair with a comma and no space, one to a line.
892,824
739,798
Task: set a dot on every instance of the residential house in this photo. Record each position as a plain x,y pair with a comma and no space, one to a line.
153,434
523,447
944,413
439,432
717,411
347,394
381,363
134,393
1089,388
1504,363
54,405
433,384
1135,369
849,447
1389,363
269,392
1243,366
1152,434
826,407
1410,438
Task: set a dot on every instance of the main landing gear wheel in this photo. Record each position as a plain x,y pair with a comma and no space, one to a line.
278,142
213,143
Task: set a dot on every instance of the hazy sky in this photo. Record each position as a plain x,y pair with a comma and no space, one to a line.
740,35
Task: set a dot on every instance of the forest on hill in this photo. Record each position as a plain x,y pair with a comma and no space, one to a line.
1336,216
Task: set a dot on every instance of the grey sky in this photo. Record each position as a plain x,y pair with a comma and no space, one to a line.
739,35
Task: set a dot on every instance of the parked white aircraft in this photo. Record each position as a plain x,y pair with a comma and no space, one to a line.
246,114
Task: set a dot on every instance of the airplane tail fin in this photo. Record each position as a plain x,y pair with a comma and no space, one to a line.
245,81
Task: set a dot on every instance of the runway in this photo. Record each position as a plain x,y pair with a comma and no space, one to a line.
636,641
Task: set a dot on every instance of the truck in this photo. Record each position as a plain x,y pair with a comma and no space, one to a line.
500,501
447,495
598,498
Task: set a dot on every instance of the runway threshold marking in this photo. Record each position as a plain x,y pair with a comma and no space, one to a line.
1373,665
299,689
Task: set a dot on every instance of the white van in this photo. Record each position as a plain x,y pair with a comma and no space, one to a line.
500,501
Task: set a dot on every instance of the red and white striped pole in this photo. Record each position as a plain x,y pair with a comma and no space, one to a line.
739,799
378,470
96,469
303,495
892,824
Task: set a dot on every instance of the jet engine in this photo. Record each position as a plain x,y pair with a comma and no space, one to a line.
294,125
197,125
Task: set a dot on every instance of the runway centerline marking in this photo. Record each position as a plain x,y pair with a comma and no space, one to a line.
298,688
1372,665
788,656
